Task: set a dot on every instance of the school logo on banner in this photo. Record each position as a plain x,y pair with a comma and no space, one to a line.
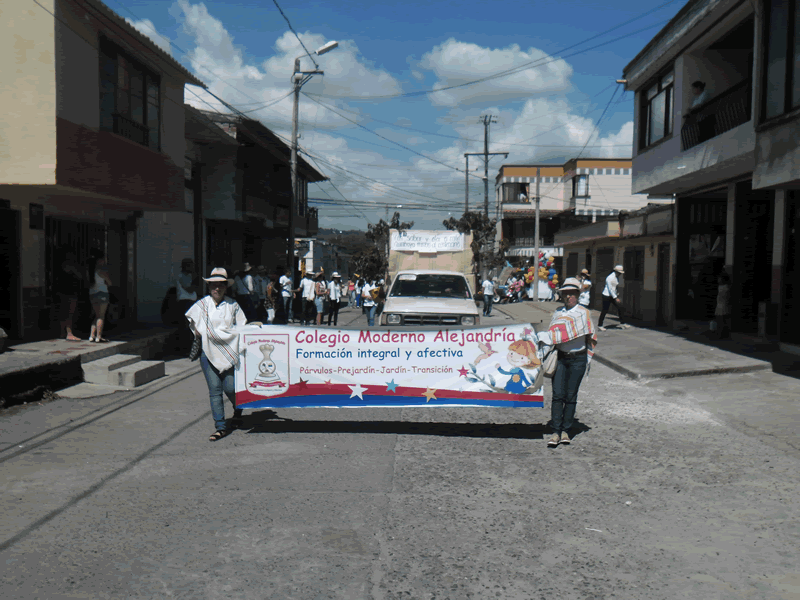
266,364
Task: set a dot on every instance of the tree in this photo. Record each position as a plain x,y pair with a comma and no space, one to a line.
368,263
483,232
379,234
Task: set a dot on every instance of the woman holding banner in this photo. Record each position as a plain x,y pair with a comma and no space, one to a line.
213,319
574,335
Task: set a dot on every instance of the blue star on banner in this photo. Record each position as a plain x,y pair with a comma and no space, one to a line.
391,386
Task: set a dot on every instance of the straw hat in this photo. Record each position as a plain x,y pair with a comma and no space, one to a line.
570,283
619,269
219,274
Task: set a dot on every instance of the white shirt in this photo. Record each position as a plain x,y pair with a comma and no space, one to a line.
249,284
223,350
584,297
488,288
307,288
335,291
610,291
185,279
99,285
286,285
366,295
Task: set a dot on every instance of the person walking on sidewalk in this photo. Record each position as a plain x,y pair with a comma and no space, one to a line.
68,288
586,288
334,296
214,318
573,334
610,296
287,295
723,309
98,293
488,296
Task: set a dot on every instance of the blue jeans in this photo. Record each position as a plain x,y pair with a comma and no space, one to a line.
217,384
371,314
488,299
566,381
287,308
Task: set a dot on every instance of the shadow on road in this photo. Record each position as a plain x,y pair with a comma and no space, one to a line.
269,422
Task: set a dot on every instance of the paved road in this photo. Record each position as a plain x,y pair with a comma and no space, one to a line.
667,492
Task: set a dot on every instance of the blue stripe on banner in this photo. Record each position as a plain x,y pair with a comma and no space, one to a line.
337,401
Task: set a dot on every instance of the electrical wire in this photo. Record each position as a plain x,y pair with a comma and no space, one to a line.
275,2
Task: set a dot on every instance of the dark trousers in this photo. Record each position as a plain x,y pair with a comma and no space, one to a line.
288,314
309,312
333,312
607,302
488,299
566,382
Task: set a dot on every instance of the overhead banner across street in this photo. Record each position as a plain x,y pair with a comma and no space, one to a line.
287,366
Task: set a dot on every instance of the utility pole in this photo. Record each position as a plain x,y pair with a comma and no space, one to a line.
536,241
487,120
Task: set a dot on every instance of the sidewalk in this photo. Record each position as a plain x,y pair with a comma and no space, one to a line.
56,363
647,352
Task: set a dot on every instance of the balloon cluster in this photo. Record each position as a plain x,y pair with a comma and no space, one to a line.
547,270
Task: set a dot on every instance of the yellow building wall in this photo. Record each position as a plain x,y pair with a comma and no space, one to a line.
27,93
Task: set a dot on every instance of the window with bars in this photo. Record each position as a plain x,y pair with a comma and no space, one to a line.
781,84
130,102
656,121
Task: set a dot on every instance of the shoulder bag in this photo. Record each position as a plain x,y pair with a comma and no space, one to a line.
549,363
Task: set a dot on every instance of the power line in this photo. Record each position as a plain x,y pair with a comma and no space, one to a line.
528,65
295,33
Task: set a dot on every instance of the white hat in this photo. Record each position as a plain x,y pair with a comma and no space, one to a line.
619,269
570,283
218,274
335,275
246,267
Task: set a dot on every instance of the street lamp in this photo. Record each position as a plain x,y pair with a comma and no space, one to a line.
299,78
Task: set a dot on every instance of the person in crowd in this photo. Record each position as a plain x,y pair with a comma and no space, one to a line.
68,288
351,293
334,296
271,296
723,308
320,296
488,296
610,296
186,295
247,293
287,295
368,303
359,295
573,334
260,283
306,290
586,288
214,318
380,296
99,297
699,93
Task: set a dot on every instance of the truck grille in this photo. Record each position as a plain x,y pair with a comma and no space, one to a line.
431,320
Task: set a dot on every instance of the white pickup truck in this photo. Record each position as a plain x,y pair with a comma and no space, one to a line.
427,297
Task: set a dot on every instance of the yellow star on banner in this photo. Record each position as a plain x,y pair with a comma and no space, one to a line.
430,394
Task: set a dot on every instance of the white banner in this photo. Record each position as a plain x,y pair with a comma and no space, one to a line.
427,241
287,366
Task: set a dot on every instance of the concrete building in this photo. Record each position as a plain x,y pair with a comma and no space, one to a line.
92,135
581,190
643,242
730,155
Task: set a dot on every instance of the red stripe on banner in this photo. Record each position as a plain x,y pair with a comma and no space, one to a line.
324,389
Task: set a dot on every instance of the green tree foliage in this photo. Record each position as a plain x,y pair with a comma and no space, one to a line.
483,232
379,235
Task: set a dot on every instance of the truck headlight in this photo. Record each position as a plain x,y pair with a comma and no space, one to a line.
468,320
393,319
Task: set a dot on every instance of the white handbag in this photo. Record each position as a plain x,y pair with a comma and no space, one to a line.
549,363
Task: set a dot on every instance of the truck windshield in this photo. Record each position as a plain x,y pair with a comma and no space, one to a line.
438,286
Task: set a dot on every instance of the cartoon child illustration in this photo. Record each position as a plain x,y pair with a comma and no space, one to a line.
521,354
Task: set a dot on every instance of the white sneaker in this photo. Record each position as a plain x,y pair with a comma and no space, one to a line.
602,328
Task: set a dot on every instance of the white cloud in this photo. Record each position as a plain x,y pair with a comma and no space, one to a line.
456,63
146,27
224,67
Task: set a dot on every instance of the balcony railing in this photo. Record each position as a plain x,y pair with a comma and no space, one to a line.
132,130
530,242
720,114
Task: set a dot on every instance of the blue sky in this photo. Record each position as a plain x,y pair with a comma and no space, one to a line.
245,51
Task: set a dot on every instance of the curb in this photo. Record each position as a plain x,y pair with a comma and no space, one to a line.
710,371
